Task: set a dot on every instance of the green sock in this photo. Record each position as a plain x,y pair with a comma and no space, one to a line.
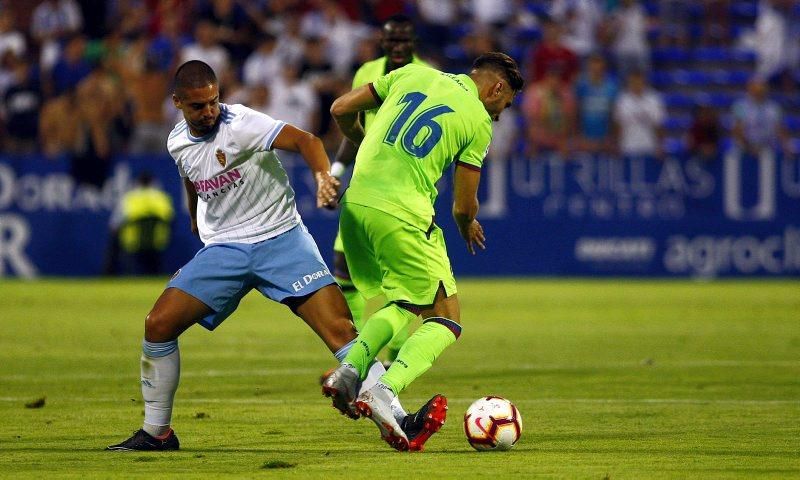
396,343
377,331
419,352
355,301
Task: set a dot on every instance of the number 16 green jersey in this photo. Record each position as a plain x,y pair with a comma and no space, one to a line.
427,119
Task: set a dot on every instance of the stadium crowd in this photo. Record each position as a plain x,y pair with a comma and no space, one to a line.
91,80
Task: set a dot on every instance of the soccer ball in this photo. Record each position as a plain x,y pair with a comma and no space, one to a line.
492,423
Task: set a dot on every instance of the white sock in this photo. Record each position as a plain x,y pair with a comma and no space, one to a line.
397,410
375,372
161,370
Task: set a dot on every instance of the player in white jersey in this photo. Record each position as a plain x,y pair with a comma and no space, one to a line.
243,208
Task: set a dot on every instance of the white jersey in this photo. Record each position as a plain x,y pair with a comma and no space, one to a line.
243,192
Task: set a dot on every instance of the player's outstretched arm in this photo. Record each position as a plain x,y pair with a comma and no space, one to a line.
465,207
345,111
310,147
191,203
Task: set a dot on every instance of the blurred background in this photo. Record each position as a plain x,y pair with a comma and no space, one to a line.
653,138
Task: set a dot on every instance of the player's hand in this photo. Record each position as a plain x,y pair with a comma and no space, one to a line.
474,237
327,189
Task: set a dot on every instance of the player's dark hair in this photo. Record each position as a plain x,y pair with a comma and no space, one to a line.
194,74
399,18
502,64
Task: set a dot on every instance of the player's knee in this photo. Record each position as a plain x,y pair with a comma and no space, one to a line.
158,328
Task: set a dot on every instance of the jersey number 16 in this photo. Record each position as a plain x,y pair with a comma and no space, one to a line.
424,119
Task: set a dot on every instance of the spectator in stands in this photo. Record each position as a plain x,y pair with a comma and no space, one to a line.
551,55
232,27
233,91
317,69
147,91
167,45
330,21
549,111
758,121
21,104
264,64
434,30
56,136
71,68
639,115
717,22
53,21
11,39
295,100
491,13
473,44
259,96
95,128
140,229
290,42
628,23
704,135
596,93
674,21
101,110
130,18
206,48
581,19
777,44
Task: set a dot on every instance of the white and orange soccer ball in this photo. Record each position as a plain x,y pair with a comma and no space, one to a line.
492,423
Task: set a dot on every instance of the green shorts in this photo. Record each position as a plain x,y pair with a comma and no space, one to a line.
389,256
337,244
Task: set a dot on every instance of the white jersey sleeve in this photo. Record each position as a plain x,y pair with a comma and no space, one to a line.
255,131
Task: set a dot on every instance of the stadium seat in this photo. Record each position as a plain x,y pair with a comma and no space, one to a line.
678,122
744,9
719,100
711,54
527,35
792,123
691,78
674,145
731,78
743,56
678,100
670,55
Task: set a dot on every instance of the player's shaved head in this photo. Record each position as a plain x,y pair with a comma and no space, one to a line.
398,22
193,74
503,65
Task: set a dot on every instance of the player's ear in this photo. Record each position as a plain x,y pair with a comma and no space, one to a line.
497,88
176,101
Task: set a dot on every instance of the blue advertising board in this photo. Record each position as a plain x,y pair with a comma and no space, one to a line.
587,215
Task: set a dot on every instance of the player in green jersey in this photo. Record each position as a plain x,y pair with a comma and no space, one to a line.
427,120
397,43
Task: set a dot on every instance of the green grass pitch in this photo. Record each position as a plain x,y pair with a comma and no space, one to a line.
614,379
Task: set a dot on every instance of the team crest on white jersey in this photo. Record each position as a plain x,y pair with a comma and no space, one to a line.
221,157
